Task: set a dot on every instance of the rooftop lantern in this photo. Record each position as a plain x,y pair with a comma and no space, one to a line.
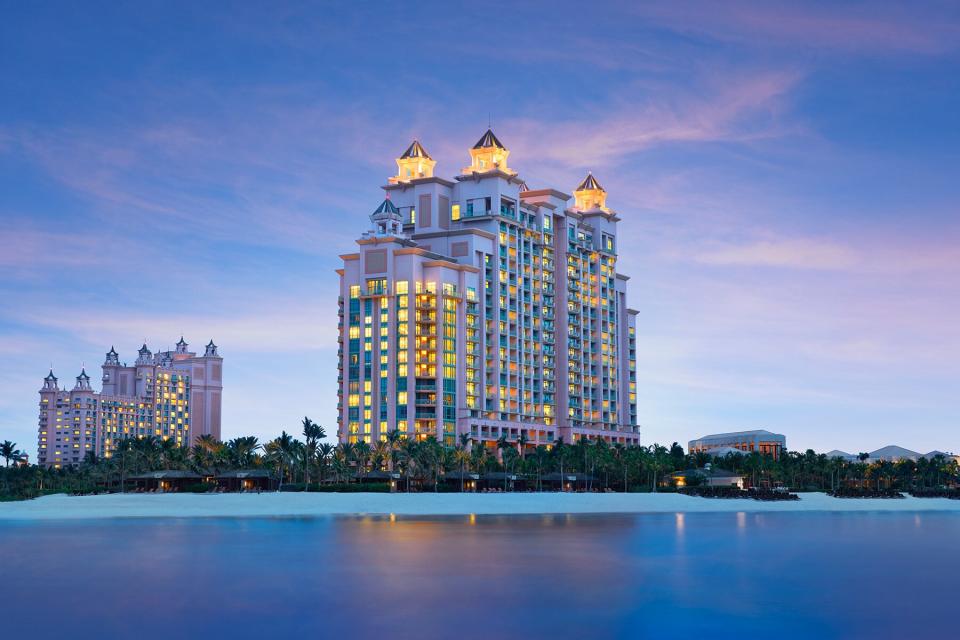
50,382
387,220
113,358
414,163
590,195
488,154
83,381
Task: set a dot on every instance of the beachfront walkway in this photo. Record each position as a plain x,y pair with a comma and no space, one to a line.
133,505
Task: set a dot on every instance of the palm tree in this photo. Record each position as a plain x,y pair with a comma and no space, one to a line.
281,450
540,456
502,443
324,454
242,451
658,461
522,442
393,440
361,453
560,451
462,457
312,434
124,456
408,457
9,451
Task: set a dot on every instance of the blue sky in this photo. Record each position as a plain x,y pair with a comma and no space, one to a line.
786,174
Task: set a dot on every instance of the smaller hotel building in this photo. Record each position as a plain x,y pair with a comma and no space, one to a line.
172,395
720,444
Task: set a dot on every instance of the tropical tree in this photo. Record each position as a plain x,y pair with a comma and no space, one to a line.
312,435
9,452
280,452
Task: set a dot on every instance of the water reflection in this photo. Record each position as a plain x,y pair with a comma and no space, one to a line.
476,576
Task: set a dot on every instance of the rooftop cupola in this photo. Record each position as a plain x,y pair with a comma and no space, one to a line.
386,220
50,382
590,195
113,358
488,154
182,345
211,350
83,382
144,356
414,163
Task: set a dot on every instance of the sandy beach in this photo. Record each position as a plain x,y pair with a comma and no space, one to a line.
63,507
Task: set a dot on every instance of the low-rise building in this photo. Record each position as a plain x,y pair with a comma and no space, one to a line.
891,453
706,477
765,442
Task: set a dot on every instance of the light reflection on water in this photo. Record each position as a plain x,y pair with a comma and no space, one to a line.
557,576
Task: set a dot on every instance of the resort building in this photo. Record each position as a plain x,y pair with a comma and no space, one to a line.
720,444
173,395
891,453
476,305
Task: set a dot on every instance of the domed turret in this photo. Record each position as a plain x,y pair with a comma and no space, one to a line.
211,350
182,345
414,163
488,154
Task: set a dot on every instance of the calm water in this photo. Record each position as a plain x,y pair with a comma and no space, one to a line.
793,575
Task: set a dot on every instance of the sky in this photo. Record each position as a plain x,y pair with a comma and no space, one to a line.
786,174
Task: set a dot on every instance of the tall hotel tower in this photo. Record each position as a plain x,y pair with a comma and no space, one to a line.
478,306
172,395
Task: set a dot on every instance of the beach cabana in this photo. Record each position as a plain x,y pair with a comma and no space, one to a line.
379,477
500,481
246,480
452,479
567,481
165,481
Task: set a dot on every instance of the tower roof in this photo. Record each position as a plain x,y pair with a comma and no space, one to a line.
488,140
387,207
50,376
210,344
144,349
112,351
416,150
182,342
589,184
83,375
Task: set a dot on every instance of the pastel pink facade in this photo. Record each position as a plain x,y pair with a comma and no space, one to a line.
476,308
172,395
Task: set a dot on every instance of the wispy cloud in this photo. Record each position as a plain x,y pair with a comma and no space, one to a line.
734,108
869,27
792,253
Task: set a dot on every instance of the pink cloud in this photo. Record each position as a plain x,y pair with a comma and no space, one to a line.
799,253
731,108
865,27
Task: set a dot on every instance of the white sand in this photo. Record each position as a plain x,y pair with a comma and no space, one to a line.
320,504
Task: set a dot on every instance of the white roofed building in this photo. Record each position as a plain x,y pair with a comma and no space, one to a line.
761,441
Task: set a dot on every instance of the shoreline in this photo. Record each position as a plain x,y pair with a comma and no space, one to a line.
252,505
